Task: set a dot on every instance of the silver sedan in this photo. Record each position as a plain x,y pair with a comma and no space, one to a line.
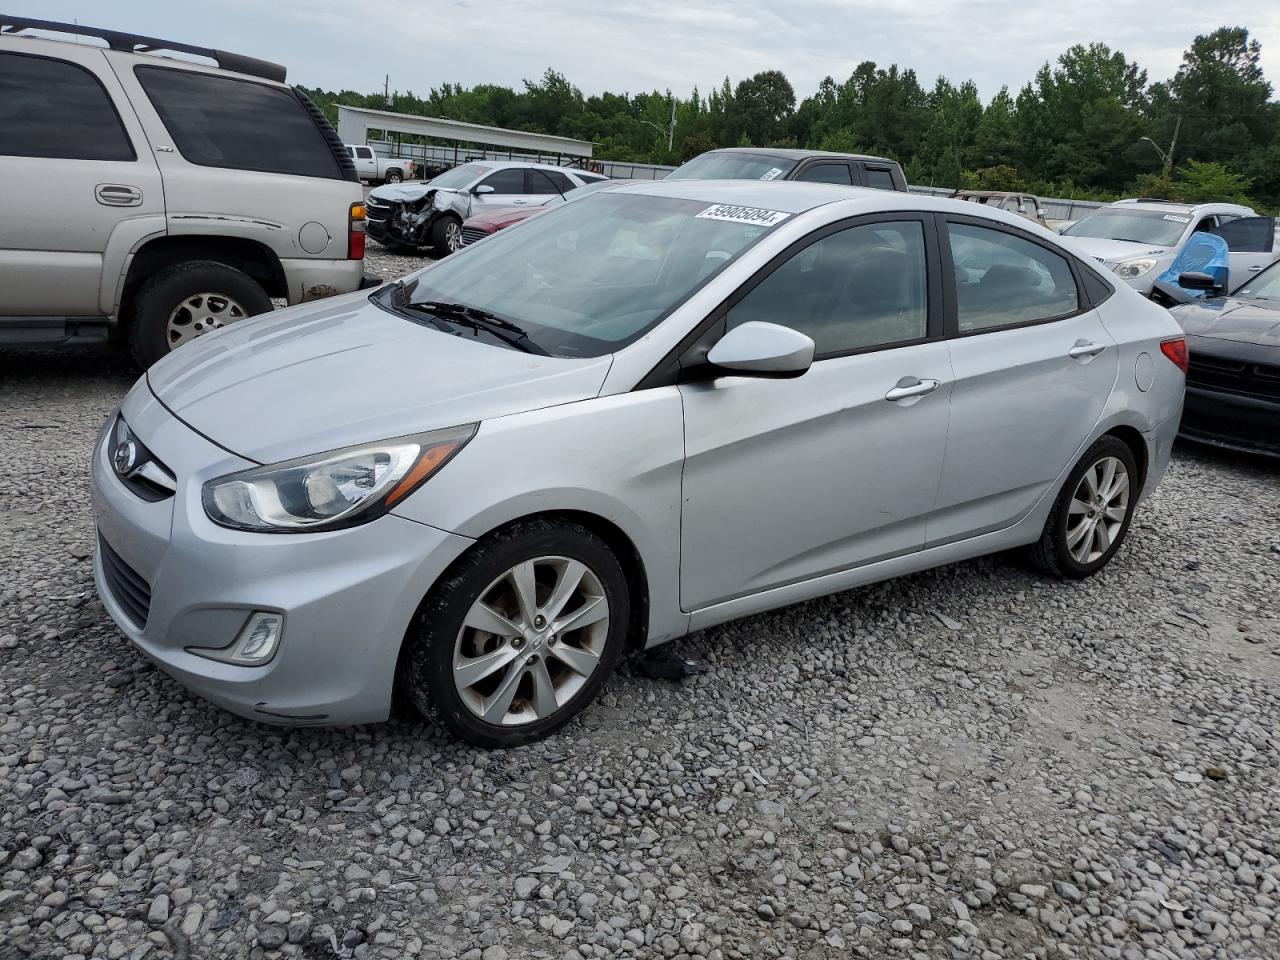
651,411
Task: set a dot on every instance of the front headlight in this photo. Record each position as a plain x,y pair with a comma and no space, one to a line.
1133,269
330,490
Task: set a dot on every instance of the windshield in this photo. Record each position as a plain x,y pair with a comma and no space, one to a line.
1265,286
458,176
1158,227
592,276
733,166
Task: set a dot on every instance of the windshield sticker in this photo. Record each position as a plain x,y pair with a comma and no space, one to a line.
1177,219
735,214
772,174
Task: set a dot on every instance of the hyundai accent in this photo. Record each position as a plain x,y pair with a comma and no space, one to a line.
659,408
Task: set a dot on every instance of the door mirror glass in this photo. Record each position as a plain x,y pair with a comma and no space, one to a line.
758,349
482,189
1194,280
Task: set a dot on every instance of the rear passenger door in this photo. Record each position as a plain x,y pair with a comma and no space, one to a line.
1252,245
879,176
546,186
78,181
1033,368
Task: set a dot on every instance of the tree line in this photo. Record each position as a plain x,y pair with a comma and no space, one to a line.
1089,125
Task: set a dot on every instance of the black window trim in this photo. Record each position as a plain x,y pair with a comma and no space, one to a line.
688,357
341,169
1084,301
115,111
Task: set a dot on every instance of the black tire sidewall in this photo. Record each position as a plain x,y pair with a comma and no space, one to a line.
428,668
159,295
439,242
1107,446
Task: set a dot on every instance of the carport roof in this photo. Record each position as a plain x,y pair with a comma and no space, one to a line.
354,123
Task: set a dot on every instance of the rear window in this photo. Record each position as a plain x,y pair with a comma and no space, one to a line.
237,124
58,110
733,166
880,178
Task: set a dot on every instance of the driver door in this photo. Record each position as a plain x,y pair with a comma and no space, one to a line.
786,480
1251,242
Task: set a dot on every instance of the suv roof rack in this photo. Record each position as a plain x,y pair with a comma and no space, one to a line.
132,43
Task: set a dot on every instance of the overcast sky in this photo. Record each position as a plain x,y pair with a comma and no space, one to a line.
635,45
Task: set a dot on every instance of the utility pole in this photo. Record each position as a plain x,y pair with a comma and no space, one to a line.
1167,156
386,91
670,131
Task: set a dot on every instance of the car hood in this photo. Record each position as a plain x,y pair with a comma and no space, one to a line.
1113,251
1230,318
403,192
323,376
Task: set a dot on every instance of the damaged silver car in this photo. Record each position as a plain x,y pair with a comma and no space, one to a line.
413,217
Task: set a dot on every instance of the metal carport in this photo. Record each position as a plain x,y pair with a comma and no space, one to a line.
354,124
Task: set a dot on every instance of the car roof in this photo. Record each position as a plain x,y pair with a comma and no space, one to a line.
791,153
518,165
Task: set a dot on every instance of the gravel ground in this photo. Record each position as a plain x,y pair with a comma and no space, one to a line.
971,762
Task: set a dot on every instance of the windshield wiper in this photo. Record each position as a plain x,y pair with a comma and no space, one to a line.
397,297
478,319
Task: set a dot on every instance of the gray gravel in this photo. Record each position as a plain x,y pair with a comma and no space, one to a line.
971,762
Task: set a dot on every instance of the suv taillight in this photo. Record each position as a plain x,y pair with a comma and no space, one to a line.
1176,350
355,232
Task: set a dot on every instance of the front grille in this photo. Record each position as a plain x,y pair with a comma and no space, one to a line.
472,234
1260,380
376,210
126,585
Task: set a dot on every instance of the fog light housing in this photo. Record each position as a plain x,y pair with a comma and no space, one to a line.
254,645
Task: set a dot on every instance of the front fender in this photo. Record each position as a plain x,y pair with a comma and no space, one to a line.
618,458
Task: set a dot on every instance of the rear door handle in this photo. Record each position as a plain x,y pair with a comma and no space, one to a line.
909,387
1255,268
117,195
1083,350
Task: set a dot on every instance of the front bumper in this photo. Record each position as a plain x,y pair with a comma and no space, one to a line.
1231,421
347,596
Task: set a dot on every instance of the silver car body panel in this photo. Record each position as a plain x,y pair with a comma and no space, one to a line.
735,495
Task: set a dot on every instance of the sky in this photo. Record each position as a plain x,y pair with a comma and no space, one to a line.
638,45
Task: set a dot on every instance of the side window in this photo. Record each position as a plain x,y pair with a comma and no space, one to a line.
58,110
861,287
364,153
881,178
222,122
508,181
546,181
826,173
1003,280
1248,234
1206,225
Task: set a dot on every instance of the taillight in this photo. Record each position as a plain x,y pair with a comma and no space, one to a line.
1176,350
355,232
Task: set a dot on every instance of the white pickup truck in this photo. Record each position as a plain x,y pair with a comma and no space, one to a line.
376,169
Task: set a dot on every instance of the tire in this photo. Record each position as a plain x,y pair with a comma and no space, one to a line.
483,581
1060,551
446,236
394,176
229,295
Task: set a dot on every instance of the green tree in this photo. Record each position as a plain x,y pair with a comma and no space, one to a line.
763,106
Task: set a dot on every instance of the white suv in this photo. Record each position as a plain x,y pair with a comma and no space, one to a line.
153,199
1139,239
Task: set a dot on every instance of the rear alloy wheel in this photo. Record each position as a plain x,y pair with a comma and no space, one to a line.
518,638
1092,513
394,176
199,314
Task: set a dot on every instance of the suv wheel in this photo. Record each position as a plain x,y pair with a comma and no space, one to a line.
519,636
446,236
187,300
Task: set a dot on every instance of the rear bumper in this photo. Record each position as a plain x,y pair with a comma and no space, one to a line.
1231,421
317,279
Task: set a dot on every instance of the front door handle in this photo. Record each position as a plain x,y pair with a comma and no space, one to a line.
117,195
1084,350
909,387
1255,268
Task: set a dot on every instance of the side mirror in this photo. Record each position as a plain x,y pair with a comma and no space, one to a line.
757,349
482,190
1199,281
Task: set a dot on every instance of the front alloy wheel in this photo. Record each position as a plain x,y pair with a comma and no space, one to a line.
531,641
518,636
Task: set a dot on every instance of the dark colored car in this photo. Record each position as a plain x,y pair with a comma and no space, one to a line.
1233,381
811,166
